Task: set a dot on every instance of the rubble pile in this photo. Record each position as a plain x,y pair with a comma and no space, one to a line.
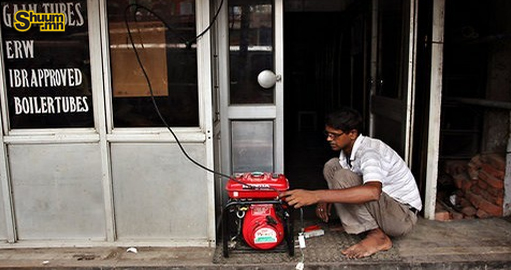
478,188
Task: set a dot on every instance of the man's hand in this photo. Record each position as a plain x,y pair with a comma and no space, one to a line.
300,197
323,211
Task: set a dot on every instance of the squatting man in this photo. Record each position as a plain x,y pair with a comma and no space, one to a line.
371,187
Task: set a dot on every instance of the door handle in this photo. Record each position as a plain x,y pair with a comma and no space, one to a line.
267,78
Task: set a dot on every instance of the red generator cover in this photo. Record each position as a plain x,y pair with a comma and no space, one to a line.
257,185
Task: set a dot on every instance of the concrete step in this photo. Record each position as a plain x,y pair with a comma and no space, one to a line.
462,244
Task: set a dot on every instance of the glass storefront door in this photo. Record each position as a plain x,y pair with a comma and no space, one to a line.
251,104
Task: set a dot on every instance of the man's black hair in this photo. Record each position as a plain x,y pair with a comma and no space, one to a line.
345,119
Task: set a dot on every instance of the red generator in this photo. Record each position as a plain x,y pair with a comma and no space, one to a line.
255,218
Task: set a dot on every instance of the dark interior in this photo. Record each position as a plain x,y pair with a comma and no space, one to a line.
311,57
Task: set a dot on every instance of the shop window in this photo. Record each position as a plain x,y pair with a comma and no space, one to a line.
162,34
47,68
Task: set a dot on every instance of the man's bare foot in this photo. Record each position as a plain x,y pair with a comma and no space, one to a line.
376,240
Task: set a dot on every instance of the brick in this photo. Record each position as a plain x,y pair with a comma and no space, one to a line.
460,178
499,201
489,197
482,184
476,190
465,203
474,199
456,215
490,208
486,195
473,172
499,174
469,211
492,181
494,200
481,214
466,185
496,192
442,215
498,161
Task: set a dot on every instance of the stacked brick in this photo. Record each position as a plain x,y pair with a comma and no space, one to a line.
480,186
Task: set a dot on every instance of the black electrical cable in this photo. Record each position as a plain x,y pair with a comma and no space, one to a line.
188,43
153,100
157,109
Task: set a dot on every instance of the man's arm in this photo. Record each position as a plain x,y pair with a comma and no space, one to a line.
370,191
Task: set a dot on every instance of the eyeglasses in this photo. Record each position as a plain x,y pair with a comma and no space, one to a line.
331,135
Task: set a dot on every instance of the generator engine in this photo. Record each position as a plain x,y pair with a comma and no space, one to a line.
260,219
262,228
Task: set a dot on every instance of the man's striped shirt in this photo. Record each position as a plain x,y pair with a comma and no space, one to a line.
376,161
